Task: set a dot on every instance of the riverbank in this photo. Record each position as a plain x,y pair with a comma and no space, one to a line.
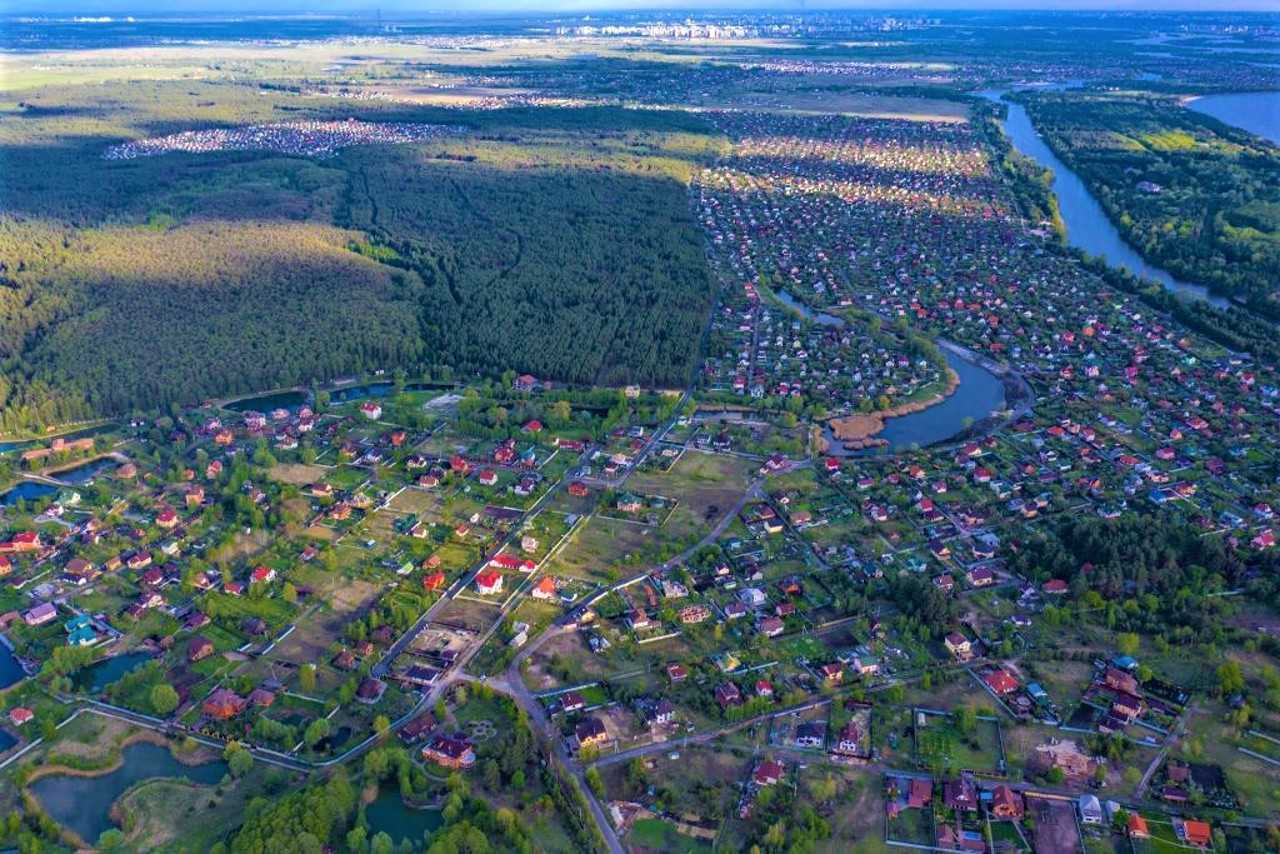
858,431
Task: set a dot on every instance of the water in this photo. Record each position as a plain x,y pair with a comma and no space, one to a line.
346,394
390,814
1256,112
979,394
98,676
11,672
85,472
7,740
18,444
290,400
1087,225
27,490
818,317
83,804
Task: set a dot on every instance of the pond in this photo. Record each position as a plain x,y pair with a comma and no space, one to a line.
15,444
818,317
979,394
83,804
292,401
11,672
86,472
1256,112
27,490
1088,227
98,676
389,813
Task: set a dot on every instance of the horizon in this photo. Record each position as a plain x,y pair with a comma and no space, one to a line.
407,10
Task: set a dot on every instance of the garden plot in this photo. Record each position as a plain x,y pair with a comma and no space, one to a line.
320,627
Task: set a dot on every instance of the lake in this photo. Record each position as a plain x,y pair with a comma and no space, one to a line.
1088,227
27,490
83,804
98,676
1256,112
389,813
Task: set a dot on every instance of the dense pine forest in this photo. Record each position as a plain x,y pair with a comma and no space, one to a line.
566,251
1193,195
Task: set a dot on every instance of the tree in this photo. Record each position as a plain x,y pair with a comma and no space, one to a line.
357,840
381,725
164,699
316,731
307,678
111,840
595,781
1230,678
239,759
289,593
1127,643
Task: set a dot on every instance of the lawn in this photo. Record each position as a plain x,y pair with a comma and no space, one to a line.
654,834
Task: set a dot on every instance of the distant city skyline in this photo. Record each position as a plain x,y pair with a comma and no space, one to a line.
410,8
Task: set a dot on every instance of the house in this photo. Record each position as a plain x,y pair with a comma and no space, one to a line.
958,645
811,734
1090,809
370,690
6,565
544,588
1137,827
694,614
1006,803
448,751
489,582
638,620
832,673
433,581
727,694
261,698
677,672
850,739
960,794
167,518
371,410
262,575
1000,682
1054,587
488,477
20,715
628,503
199,649
40,614
919,793
764,688
578,489
661,713
224,704
1197,833
572,701
415,729
981,576
1119,680
771,626
590,732
768,773
24,541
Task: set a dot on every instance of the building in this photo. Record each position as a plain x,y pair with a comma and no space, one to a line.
40,614
1090,809
489,582
768,773
1006,803
958,645
224,704
448,751
590,732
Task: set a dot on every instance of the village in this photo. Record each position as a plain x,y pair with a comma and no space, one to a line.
951,542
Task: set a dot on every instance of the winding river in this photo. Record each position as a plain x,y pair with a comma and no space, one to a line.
1088,227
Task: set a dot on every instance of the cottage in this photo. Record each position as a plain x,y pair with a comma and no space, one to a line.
199,649
768,773
40,614
590,732
1006,803
1090,809
454,752
224,704
489,582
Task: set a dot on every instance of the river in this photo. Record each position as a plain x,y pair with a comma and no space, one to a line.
1256,112
1088,227
83,804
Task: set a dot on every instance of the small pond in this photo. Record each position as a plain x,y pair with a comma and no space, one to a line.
27,490
389,813
96,677
83,804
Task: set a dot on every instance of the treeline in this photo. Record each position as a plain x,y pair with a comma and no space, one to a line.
1030,184
572,258
1189,193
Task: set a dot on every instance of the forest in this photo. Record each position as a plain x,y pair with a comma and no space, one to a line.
1192,195
558,244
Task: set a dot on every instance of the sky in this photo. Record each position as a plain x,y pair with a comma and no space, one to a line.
407,8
